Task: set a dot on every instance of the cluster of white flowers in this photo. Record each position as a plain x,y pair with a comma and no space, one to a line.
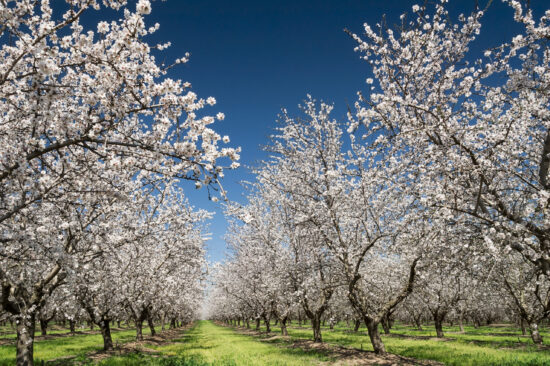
143,7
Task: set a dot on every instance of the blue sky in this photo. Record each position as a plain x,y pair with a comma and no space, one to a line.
256,57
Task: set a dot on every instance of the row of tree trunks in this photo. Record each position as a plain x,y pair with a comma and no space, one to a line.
372,327
26,325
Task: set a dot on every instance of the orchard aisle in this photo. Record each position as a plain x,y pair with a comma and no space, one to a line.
213,344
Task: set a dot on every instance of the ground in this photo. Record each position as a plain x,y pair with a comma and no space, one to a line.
207,343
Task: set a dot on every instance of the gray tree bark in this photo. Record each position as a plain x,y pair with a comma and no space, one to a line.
25,339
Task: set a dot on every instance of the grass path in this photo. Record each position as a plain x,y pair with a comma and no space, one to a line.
210,344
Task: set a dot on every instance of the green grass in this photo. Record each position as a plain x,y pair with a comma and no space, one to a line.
78,346
210,344
207,344
482,346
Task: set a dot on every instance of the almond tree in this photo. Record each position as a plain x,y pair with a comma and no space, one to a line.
168,246
355,211
341,222
527,291
157,240
475,130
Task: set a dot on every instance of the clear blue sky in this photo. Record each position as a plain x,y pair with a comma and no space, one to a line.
256,57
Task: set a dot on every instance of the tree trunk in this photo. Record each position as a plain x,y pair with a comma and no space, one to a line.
91,324
523,328
439,327
247,323
106,334
257,324
267,324
162,321
418,322
118,323
172,323
25,339
461,325
284,331
43,327
316,325
151,325
72,324
357,325
139,329
386,325
374,336
535,335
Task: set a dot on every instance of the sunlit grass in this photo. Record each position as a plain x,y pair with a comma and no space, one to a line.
210,344
481,346
215,345
204,344
78,345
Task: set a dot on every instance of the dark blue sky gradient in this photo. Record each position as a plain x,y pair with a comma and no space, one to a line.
256,57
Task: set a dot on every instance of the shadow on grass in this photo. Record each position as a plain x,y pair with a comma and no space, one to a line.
148,360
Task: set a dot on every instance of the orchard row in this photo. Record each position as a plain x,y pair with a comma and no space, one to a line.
95,138
430,202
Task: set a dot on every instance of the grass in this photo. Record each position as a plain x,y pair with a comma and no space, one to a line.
212,345
78,345
209,344
206,344
481,346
